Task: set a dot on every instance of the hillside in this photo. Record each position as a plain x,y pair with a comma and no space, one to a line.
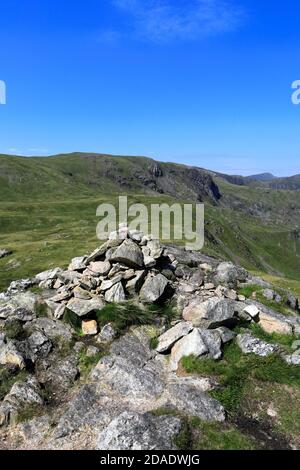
48,209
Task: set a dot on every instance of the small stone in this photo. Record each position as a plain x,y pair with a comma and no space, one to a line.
153,288
107,334
92,351
80,293
89,327
252,311
209,286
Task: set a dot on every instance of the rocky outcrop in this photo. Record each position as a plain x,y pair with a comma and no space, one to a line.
135,431
101,384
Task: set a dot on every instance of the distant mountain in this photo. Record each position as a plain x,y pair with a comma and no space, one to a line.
262,177
247,221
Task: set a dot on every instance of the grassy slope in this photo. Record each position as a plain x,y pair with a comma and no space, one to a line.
48,215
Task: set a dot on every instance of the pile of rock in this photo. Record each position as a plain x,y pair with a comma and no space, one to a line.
133,378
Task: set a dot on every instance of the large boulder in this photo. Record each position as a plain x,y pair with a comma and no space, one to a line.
135,431
84,307
128,253
212,313
191,344
153,288
171,336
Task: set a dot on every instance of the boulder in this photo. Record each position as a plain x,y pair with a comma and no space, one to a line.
115,294
84,307
100,268
211,314
212,340
226,334
80,293
10,355
134,285
77,264
230,275
129,253
107,334
153,288
136,431
50,274
170,337
195,402
191,344
251,345
252,311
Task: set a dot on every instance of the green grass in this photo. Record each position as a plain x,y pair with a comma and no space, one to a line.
281,307
236,370
122,316
86,363
48,214
7,378
14,330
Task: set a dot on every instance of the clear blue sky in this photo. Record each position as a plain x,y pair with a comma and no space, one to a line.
203,82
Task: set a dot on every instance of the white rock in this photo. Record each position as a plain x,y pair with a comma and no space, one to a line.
191,344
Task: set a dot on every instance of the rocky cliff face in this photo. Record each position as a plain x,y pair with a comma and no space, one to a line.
88,354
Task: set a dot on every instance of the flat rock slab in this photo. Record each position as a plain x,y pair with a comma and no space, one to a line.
194,402
136,431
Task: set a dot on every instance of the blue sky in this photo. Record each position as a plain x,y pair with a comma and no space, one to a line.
203,82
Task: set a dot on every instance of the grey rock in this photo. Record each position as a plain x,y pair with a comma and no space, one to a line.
50,274
77,264
251,345
115,294
92,351
10,355
213,342
84,307
191,344
134,285
230,275
129,253
135,431
108,284
211,313
57,373
194,402
107,334
130,369
171,336
268,294
55,330
101,268
226,334
153,288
